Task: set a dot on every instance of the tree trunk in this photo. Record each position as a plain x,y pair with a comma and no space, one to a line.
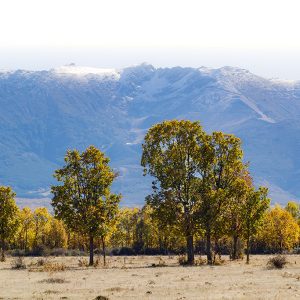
2,258
190,249
91,263
234,250
217,249
248,249
26,239
208,247
103,250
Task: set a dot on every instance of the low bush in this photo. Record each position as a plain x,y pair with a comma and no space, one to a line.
123,251
199,261
41,262
182,260
18,263
75,252
40,250
52,267
83,262
17,252
53,280
101,298
277,262
57,252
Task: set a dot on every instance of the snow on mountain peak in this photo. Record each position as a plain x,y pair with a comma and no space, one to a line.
84,71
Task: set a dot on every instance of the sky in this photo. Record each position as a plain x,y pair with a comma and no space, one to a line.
262,36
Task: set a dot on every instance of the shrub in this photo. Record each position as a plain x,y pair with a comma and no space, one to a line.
83,262
74,252
218,261
2,256
53,280
17,252
101,298
296,250
58,252
52,267
40,250
41,262
200,261
182,260
97,262
277,262
161,262
18,263
123,251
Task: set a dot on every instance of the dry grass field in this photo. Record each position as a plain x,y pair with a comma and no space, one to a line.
148,277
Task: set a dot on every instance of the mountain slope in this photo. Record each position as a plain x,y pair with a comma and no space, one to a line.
44,113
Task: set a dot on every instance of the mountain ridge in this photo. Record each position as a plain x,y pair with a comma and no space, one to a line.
43,113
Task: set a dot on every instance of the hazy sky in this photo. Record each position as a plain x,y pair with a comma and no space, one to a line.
262,36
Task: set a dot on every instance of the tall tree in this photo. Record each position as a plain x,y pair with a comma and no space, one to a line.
57,235
172,153
217,184
253,212
8,216
83,200
24,232
41,223
125,231
232,218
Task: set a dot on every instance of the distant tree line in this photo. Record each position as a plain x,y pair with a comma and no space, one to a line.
203,202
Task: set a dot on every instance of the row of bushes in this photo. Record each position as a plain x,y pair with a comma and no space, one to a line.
123,251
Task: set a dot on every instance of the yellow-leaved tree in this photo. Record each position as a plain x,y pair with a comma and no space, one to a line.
280,230
8,217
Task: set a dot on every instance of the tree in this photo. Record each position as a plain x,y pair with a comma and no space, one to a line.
124,234
41,226
57,235
294,209
167,221
83,200
232,217
172,153
280,230
26,223
253,211
8,216
216,186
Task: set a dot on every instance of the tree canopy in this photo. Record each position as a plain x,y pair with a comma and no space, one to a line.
83,199
8,216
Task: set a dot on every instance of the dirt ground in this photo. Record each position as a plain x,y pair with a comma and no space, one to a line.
149,277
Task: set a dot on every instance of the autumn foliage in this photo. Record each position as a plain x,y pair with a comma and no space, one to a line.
203,201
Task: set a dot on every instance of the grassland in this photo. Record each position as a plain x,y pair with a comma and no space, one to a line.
148,277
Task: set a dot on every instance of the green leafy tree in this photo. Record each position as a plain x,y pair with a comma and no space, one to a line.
253,212
124,234
83,200
8,216
232,217
167,220
294,209
217,183
172,153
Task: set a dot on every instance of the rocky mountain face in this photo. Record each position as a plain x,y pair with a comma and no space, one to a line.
44,113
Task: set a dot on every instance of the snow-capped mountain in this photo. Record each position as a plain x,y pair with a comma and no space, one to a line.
43,113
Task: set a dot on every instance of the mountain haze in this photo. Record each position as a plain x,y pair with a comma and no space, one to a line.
44,113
